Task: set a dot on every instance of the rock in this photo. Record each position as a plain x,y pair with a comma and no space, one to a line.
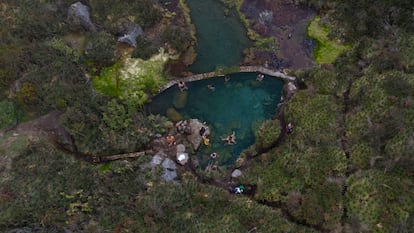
78,14
180,148
236,173
156,160
168,164
195,138
183,127
265,17
130,33
182,158
173,115
168,175
180,99
291,87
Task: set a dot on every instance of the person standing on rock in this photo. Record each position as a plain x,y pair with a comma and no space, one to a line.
182,86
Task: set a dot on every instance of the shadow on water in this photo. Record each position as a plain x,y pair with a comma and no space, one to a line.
238,105
221,38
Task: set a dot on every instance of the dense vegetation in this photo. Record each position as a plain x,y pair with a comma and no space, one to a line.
348,165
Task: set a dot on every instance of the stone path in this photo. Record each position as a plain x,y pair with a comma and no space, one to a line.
259,69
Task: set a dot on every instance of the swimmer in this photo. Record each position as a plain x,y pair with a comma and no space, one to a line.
213,155
231,139
226,78
182,86
206,140
211,87
260,77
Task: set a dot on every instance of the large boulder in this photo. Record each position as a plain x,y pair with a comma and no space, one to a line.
130,33
78,14
168,164
169,176
194,137
156,160
183,127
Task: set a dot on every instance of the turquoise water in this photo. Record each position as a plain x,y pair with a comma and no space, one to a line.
221,39
239,105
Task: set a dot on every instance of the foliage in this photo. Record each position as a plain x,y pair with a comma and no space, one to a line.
134,81
9,63
144,49
379,201
109,81
8,115
177,38
100,49
110,12
267,134
106,127
327,50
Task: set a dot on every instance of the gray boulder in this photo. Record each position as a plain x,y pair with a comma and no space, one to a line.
131,31
168,164
195,138
78,14
182,158
169,176
291,87
156,160
236,173
180,148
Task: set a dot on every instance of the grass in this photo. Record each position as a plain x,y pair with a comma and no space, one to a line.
134,79
327,50
7,114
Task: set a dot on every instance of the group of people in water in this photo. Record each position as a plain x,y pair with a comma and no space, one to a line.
229,140
183,86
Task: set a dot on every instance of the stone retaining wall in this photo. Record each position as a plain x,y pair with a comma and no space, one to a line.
259,69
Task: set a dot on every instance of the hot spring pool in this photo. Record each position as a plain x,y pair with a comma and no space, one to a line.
238,105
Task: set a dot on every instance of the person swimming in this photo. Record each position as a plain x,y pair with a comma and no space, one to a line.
260,77
231,139
206,140
211,87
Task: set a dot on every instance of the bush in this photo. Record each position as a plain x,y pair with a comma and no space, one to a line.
177,38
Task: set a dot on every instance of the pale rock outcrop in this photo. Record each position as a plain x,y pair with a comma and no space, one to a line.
78,14
130,33
236,173
194,137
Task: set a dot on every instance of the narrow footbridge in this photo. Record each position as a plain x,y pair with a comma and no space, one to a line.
259,69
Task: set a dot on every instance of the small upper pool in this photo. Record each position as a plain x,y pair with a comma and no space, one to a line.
221,38
239,104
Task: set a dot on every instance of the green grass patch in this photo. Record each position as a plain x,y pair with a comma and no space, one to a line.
134,80
327,50
7,114
108,81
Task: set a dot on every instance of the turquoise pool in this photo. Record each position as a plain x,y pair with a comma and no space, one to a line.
239,105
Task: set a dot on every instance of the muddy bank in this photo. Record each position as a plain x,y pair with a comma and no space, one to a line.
286,22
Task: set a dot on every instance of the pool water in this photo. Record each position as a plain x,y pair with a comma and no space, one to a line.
238,105
221,38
